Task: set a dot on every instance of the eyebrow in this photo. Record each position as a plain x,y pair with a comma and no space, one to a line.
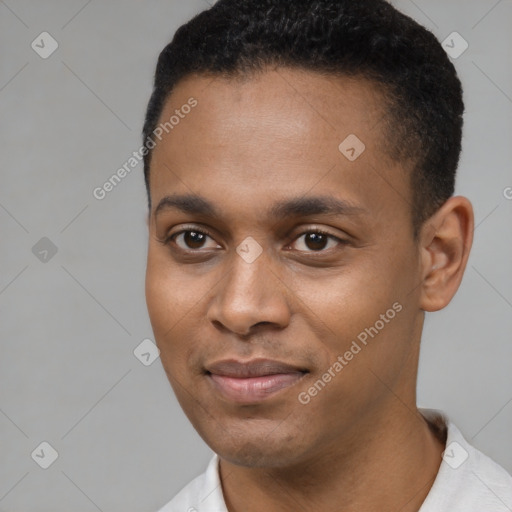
295,207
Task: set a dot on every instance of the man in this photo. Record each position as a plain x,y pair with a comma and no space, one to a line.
300,168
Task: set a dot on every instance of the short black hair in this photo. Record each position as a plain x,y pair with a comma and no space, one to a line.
366,39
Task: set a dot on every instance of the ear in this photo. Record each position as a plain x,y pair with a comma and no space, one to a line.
445,242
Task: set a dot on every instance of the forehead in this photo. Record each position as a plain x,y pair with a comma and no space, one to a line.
276,133
281,101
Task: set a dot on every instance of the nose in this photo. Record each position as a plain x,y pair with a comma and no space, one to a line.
249,295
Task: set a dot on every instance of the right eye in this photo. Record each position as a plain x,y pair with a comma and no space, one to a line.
191,239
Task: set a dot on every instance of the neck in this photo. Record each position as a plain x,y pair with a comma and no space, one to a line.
390,463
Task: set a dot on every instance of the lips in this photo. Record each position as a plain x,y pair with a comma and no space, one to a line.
252,381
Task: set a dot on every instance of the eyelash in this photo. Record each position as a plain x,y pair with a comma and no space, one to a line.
203,231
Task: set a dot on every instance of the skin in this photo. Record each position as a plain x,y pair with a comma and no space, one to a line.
360,443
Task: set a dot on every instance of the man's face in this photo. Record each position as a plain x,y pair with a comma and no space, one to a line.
216,302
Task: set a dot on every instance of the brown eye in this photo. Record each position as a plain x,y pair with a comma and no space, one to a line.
192,239
317,241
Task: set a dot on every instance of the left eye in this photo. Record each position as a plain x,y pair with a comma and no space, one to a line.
317,241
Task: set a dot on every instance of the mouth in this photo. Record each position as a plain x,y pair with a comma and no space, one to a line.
252,381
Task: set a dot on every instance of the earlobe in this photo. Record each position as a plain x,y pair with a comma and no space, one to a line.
446,240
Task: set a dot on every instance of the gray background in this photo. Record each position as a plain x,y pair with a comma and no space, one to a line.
69,325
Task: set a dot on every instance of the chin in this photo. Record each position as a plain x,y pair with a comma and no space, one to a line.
254,455
256,443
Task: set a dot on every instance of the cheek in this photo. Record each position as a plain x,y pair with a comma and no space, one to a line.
362,312
167,307
344,302
173,302
165,314
158,299
167,298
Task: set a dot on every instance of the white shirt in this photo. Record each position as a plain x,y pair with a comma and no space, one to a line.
467,481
